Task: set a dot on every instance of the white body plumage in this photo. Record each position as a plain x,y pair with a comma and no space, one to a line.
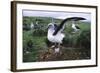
54,38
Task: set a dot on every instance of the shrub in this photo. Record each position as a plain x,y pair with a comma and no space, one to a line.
39,32
84,39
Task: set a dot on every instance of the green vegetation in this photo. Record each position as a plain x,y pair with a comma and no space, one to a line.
75,45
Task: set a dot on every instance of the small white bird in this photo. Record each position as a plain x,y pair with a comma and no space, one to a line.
75,27
32,25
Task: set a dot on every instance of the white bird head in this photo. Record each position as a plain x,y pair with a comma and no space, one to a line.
51,26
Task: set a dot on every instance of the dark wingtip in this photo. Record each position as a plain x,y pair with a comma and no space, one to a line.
76,18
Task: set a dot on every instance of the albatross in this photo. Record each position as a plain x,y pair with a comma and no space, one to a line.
75,26
55,32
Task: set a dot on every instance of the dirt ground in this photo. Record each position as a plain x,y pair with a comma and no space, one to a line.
64,54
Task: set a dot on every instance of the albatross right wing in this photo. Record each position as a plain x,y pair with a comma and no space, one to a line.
61,26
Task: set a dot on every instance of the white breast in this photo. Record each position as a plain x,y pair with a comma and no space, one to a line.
57,38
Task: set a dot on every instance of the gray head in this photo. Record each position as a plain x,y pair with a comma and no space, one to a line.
52,26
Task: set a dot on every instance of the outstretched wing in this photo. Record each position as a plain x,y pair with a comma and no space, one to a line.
61,26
